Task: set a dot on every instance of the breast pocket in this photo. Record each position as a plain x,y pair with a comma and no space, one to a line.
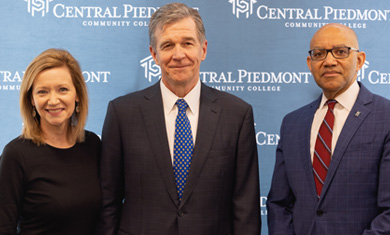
221,153
219,163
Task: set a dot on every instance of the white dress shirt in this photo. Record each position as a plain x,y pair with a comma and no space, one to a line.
345,102
170,111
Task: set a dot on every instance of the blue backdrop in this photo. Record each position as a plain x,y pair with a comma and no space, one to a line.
257,50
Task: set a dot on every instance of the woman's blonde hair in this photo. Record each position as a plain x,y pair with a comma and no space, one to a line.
52,58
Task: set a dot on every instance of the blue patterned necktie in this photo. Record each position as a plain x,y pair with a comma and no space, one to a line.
182,148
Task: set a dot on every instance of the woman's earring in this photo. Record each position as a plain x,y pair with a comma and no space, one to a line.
34,112
77,107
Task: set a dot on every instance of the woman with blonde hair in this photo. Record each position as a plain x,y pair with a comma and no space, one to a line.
49,175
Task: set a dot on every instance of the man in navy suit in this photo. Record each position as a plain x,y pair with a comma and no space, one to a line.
142,192
347,192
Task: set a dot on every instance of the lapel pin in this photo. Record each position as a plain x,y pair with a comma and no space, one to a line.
357,114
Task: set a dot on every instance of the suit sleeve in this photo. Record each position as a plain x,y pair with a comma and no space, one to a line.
11,189
111,174
381,223
246,200
280,199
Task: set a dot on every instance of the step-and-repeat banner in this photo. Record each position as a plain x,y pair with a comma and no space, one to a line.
257,50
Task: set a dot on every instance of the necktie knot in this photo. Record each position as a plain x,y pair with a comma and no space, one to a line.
182,105
331,104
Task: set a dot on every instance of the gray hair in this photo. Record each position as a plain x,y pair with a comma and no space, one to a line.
171,13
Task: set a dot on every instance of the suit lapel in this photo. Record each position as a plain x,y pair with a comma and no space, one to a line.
355,118
209,113
153,114
307,120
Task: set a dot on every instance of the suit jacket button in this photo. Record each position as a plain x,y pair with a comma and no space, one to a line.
180,213
320,213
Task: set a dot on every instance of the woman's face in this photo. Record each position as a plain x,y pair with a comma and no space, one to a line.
54,97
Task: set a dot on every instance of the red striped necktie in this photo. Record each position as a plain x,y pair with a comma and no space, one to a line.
323,148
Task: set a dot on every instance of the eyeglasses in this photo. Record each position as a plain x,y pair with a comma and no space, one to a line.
337,52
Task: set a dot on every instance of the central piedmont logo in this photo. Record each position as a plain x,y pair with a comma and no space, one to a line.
152,70
38,6
242,7
373,76
362,71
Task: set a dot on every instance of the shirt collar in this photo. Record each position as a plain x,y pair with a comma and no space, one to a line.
347,98
169,98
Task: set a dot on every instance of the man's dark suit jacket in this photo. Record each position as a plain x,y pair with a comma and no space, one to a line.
221,195
355,198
